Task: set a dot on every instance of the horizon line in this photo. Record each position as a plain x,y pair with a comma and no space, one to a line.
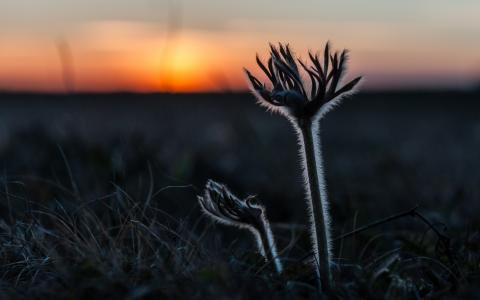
473,89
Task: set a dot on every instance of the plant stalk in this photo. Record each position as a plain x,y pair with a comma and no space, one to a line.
269,247
318,202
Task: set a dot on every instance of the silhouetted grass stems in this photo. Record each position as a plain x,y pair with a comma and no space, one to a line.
71,228
114,238
444,240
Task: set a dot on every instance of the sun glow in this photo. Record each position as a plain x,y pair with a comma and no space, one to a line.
181,66
121,55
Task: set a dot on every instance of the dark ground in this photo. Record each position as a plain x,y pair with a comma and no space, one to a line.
77,171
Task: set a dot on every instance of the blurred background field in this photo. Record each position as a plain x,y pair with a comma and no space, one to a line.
107,155
383,150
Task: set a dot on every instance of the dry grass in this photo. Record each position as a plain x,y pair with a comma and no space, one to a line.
115,225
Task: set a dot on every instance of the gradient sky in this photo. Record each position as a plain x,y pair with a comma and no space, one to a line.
202,45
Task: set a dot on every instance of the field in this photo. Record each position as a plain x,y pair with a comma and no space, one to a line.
98,196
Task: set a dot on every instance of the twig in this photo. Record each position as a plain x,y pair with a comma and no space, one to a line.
410,212
443,239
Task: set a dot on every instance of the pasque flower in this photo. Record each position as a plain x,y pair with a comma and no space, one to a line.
219,203
293,96
305,103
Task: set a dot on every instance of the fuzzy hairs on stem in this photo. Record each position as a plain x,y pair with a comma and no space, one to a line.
304,103
221,205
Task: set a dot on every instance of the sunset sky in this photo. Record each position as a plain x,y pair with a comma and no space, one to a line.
202,45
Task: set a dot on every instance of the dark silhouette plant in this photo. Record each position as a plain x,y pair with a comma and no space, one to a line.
304,103
219,203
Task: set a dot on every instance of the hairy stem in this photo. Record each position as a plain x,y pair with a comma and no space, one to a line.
269,247
317,200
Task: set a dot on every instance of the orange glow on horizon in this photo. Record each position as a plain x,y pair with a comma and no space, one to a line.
107,57
130,56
